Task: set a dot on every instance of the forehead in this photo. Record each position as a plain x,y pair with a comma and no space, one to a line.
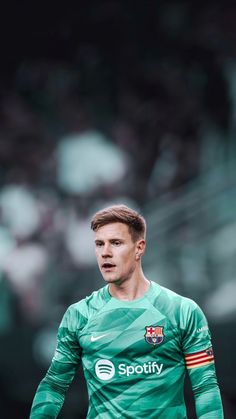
113,230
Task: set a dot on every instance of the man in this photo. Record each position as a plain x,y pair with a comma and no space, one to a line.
135,338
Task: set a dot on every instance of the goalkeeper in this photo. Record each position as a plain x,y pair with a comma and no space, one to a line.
136,339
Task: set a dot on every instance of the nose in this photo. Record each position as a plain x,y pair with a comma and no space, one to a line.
106,251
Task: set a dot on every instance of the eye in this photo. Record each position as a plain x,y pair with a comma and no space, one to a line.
116,242
98,244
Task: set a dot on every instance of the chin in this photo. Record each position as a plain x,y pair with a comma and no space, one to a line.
109,279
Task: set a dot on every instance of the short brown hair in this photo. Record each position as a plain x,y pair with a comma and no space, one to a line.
121,214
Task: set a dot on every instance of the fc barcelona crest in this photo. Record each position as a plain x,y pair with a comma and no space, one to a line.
154,335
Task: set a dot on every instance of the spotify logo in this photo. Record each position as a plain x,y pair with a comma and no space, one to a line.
104,369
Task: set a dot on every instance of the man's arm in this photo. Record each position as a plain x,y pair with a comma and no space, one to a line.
199,360
206,392
50,394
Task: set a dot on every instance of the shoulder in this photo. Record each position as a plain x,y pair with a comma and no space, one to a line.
77,314
173,304
90,304
169,296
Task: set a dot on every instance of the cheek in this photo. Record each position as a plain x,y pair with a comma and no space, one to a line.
97,255
128,258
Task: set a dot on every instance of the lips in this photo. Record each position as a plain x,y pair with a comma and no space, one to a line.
108,265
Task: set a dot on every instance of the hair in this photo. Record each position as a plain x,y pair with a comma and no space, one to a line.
121,214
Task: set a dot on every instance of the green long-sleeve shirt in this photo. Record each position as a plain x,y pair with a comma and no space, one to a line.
135,355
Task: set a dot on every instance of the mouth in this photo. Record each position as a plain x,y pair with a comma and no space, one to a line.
108,266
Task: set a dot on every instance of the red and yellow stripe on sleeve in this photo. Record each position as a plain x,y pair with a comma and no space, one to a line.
198,359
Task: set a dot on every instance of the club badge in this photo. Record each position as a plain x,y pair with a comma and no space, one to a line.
154,335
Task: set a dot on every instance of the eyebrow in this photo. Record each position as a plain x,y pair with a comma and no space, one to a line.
110,240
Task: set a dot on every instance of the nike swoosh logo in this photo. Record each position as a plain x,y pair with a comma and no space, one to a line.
94,338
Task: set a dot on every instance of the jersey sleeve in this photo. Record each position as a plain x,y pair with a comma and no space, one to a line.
199,361
51,391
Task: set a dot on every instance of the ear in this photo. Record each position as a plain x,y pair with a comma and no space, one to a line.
140,248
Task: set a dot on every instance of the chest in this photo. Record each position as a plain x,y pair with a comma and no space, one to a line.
132,333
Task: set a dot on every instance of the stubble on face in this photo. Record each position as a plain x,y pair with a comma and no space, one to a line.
115,252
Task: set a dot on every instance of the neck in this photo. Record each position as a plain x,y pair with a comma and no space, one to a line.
131,289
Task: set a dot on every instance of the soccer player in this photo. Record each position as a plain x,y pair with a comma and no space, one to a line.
135,338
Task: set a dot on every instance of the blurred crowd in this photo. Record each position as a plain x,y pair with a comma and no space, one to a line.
108,104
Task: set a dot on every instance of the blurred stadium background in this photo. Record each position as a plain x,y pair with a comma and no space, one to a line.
113,101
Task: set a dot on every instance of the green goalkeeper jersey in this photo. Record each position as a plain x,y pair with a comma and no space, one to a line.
134,355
